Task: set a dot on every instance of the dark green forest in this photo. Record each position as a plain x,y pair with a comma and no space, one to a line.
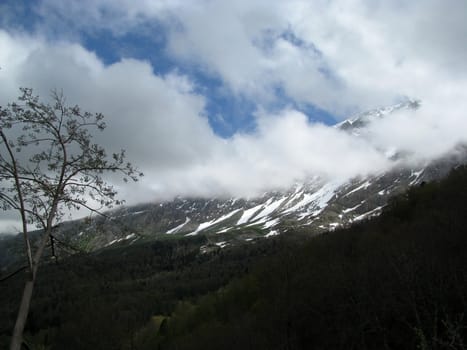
398,281
101,300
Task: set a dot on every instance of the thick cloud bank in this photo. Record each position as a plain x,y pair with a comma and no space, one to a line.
160,121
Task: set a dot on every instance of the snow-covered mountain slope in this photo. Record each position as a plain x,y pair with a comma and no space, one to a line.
317,204
362,120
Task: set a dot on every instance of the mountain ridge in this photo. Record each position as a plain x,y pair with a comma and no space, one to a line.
317,204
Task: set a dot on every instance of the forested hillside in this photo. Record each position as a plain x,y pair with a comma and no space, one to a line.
397,282
101,300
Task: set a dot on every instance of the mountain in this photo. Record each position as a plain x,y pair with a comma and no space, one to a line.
395,282
362,120
317,205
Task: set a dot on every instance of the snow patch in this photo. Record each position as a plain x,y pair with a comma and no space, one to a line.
248,214
224,230
271,223
222,244
225,217
270,207
111,242
348,210
415,174
319,198
176,229
205,225
363,186
368,214
272,234
130,236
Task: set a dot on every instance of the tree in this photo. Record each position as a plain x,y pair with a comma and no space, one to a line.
48,165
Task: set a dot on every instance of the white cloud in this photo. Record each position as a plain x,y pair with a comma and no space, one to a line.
432,131
161,122
145,112
368,53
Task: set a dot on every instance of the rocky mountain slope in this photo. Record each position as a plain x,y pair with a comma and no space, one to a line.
315,204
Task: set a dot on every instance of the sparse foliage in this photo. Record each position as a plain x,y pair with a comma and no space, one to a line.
49,165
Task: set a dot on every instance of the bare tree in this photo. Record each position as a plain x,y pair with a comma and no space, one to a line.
48,165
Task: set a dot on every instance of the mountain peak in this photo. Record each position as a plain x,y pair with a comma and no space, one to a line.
363,119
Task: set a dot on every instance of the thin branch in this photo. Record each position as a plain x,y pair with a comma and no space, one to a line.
3,279
10,201
20,199
96,211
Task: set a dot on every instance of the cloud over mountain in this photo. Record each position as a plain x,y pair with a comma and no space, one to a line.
338,56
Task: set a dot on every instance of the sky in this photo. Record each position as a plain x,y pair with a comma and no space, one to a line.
232,98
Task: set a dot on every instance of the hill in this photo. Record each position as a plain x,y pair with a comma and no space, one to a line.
395,282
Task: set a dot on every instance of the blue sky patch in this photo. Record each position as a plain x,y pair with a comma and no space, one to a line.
228,113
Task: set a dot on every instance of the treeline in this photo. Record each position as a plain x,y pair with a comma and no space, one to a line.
396,282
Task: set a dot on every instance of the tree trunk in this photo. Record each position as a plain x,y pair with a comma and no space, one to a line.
17,337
